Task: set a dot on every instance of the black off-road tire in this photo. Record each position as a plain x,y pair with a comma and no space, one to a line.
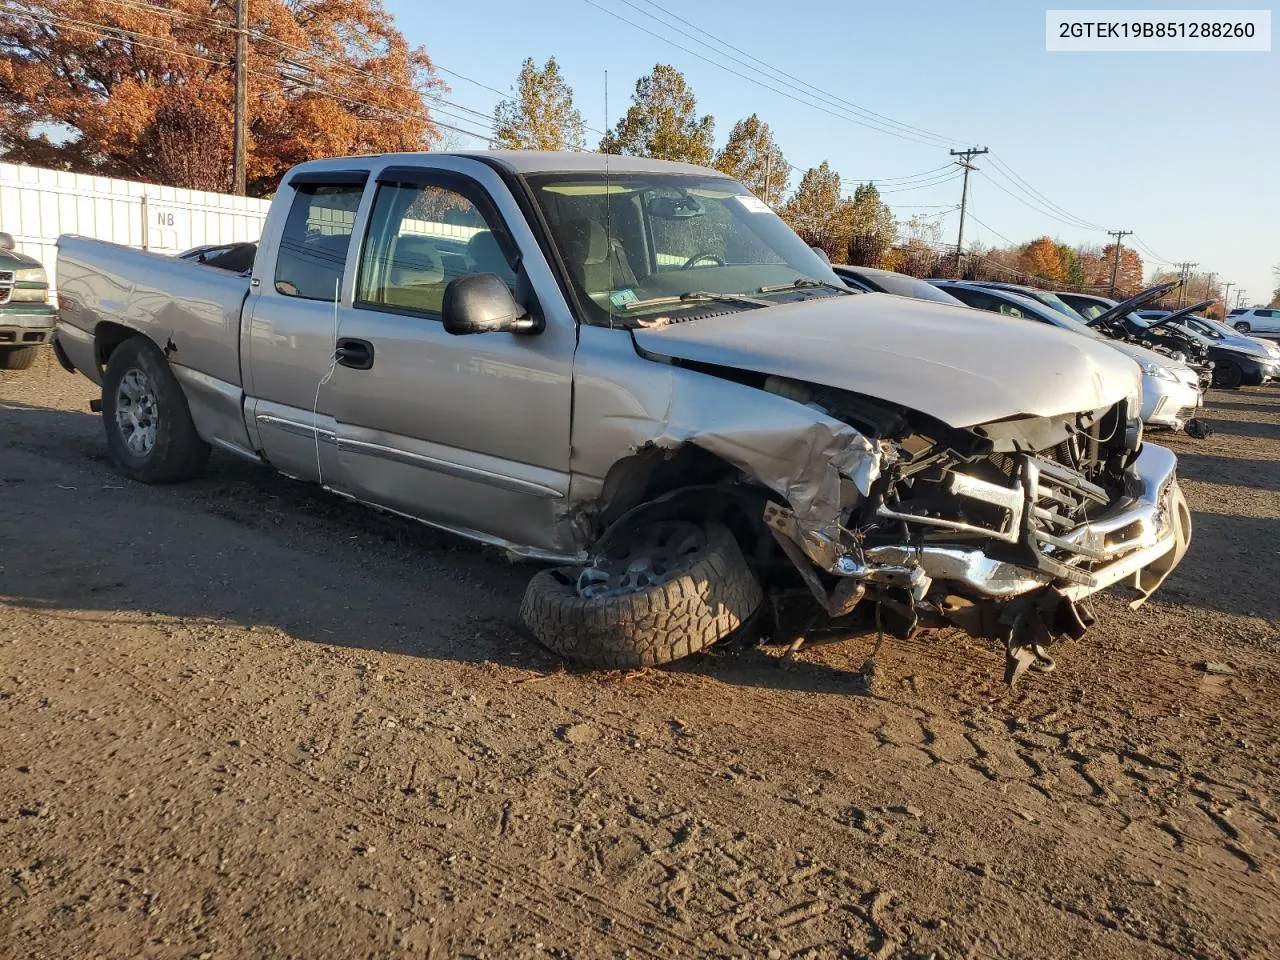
711,599
178,452
17,358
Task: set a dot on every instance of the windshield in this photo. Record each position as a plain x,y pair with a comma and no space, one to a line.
634,238
1073,321
1092,311
1199,325
1178,327
1222,329
1055,301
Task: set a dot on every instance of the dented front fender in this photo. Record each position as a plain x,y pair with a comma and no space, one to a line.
625,403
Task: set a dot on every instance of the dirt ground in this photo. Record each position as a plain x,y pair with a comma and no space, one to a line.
241,718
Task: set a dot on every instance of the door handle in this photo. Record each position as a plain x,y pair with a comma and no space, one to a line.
353,353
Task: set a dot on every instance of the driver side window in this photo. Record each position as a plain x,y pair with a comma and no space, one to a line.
422,237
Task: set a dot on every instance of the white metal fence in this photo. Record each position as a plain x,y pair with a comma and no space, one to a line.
36,205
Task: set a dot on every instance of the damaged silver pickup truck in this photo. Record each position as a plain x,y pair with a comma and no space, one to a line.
634,371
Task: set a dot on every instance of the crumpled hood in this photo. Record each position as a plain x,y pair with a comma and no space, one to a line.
959,365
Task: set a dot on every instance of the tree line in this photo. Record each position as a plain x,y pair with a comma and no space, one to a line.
145,92
663,122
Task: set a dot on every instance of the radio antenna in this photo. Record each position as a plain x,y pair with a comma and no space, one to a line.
608,199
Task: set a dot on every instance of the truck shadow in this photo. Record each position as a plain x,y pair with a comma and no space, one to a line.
246,547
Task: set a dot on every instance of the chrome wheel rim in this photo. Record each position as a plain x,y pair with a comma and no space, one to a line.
642,559
137,412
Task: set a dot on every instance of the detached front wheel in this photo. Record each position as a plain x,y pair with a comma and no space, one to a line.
149,431
657,593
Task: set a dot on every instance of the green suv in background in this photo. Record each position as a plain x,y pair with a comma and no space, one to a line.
26,315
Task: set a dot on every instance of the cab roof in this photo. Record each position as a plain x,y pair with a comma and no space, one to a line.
530,162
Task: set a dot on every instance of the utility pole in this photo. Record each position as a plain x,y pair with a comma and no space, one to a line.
1184,274
1226,300
967,164
1208,287
238,158
1115,261
1240,297
768,168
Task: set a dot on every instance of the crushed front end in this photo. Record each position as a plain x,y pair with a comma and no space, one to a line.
1002,529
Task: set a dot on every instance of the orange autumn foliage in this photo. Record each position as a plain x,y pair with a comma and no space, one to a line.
144,89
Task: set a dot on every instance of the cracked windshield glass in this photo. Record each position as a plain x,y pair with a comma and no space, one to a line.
642,246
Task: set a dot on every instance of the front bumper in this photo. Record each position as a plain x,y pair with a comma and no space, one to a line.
1168,403
1140,538
26,324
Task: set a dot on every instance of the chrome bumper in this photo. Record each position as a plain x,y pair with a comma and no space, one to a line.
1142,537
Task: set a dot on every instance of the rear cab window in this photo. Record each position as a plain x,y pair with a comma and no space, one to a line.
317,233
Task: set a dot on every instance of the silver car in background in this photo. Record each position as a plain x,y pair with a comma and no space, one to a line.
1171,391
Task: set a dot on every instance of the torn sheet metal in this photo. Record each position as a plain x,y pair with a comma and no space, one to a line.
625,403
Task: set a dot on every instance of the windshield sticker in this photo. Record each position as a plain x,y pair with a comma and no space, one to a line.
620,298
753,204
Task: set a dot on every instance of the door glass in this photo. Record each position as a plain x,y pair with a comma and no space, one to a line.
421,238
313,247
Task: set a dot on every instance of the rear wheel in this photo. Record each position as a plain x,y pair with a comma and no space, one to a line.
1228,375
149,431
658,593
17,358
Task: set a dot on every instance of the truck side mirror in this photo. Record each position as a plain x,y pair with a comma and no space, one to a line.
482,303
6,241
822,253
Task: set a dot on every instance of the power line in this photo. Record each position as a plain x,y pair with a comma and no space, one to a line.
950,178
1010,172
911,176
1038,209
1030,200
990,229
795,82
314,55
870,125
139,40
1155,256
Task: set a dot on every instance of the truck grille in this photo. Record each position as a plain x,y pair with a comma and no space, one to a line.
1032,500
6,285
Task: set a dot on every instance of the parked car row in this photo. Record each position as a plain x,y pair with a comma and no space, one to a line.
1172,391
635,372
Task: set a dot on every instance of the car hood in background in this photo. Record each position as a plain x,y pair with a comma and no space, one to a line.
1126,307
1143,355
13,260
961,366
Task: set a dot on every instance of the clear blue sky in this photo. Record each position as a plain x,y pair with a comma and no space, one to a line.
1182,148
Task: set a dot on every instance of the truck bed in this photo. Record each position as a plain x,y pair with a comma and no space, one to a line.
192,312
